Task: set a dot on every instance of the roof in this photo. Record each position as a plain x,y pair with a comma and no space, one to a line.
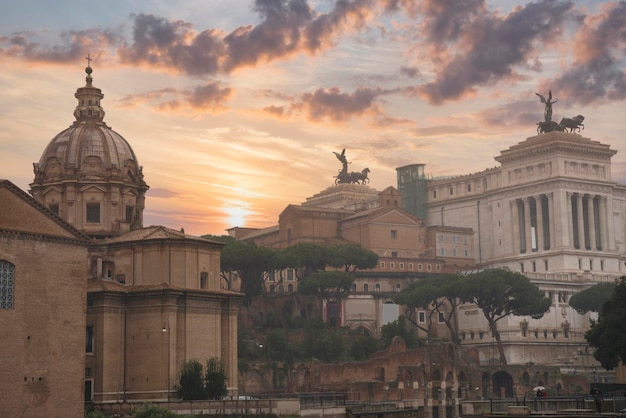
64,231
158,232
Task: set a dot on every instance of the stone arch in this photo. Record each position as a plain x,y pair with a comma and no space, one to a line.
502,383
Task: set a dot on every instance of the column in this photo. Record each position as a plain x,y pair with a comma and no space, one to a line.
602,229
570,220
527,231
551,223
515,233
539,213
591,223
580,221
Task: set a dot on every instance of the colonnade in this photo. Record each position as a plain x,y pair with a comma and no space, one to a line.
534,224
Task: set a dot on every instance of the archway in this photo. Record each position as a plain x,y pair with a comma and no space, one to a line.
502,384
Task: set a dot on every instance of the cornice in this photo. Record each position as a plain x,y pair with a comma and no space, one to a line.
26,236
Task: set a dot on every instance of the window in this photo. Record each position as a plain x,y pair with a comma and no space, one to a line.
382,264
54,208
204,280
469,187
7,284
440,238
394,254
438,267
442,251
451,191
88,390
398,287
366,288
129,214
289,274
429,267
419,267
401,266
421,317
392,265
89,339
394,234
93,213
442,318
410,266
434,194
377,287
353,287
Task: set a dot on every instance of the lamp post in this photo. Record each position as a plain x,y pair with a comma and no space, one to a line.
166,329
593,370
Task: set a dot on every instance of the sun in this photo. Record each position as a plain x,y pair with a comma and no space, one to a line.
236,216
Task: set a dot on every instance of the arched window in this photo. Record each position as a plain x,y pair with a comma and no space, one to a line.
7,284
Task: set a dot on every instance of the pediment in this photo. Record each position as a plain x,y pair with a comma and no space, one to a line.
395,215
19,212
92,188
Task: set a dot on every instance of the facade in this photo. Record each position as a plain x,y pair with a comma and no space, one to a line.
551,211
356,214
119,307
43,265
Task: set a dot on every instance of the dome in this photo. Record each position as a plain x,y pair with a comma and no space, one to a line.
88,148
89,175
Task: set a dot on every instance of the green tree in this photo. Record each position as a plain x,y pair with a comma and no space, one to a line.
251,263
276,345
592,298
398,328
352,258
191,383
331,286
363,347
438,296
608,334
215,379
307,258
500,293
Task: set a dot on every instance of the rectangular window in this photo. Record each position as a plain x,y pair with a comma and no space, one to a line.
7,284
290,274
421,317
392,265
89,339
469,187
440,238
401,266
451,191
88,390
398,288
394,234
93,213
441,318
394,254
54,208
204,280
410,266
434,194
130,210
382,265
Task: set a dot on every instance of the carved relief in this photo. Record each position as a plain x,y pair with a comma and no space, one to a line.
54,168
92,166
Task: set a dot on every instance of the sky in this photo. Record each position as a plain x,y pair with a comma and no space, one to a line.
234,108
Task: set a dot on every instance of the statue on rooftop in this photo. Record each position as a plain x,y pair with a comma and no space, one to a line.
345,177
547,113
574,124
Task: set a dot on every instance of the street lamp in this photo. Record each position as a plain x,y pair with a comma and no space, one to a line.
169,334
593,370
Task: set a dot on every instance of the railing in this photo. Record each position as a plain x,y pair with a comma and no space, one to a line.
611,402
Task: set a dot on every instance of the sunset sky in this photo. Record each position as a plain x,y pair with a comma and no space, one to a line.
234,108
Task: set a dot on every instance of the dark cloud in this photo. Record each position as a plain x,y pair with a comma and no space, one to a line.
600,47
410,72
74,45
338,106
489,46
209,96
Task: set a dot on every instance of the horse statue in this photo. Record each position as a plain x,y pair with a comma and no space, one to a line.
548,126
343,177
360,178
573,124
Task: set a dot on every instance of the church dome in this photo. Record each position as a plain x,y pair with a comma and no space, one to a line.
88,148
88,174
